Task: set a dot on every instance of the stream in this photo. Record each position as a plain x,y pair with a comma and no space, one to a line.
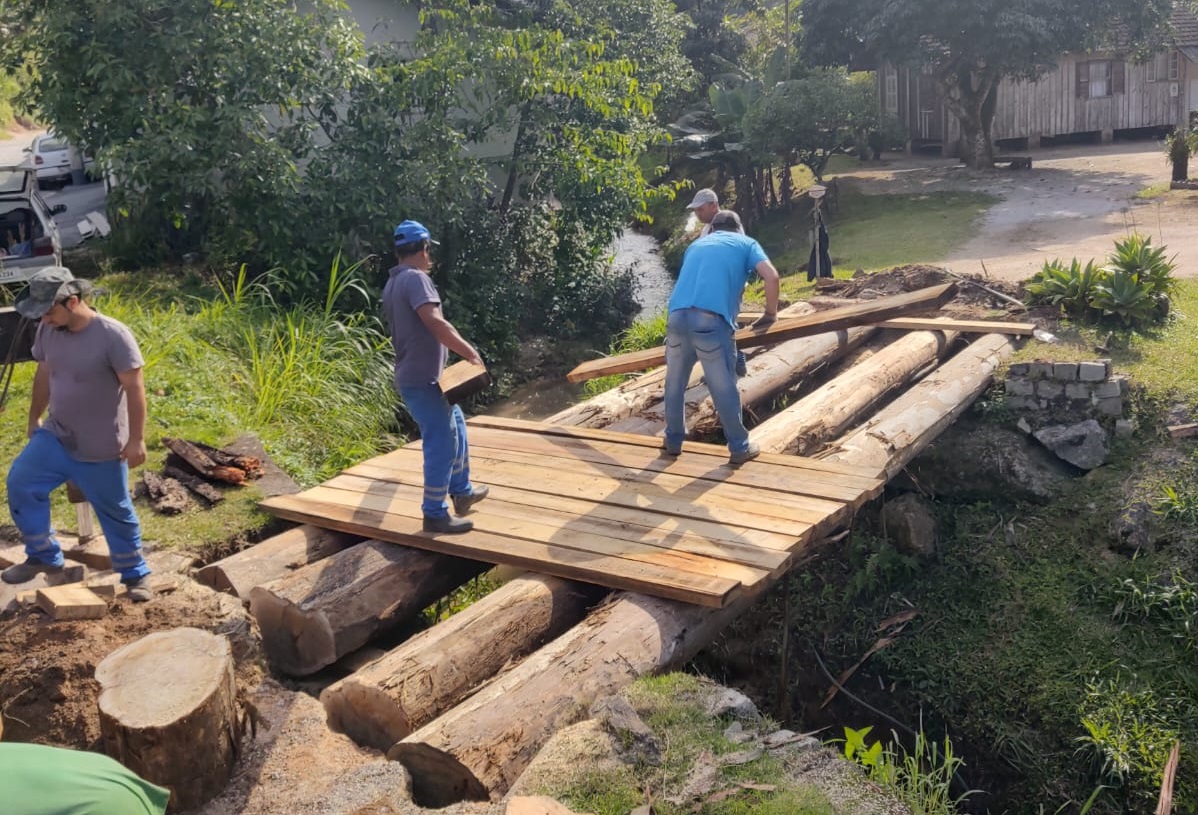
540,398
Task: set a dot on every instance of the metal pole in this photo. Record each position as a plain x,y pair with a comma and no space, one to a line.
786,45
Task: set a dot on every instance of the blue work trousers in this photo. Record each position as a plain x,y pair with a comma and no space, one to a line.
694,334
443,440
43,466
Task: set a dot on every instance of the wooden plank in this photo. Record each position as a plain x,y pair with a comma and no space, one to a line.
499,504
1181,431
671,525
651,459
867,313
73,602
671,495
404,503
462,380
859,476
964,326
617,573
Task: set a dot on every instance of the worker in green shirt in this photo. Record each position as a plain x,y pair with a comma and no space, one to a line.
40,780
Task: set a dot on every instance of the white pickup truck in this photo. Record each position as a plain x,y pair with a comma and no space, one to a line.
29,238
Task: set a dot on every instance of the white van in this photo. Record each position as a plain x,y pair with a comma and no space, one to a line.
29,238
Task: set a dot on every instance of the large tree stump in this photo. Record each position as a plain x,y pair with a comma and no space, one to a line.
386,700
321,612
168,711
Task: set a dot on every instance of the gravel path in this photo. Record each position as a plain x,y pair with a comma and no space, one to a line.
1075,201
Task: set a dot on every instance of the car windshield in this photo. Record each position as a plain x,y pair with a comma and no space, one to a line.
13,179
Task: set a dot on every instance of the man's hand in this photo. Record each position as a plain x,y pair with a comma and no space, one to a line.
473,358
34,426
134,453
764,321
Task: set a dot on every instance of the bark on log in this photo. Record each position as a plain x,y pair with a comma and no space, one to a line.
479,748
166,495
250,465
168,712
408,687
828,411
197,485
321,612
273,558
202,463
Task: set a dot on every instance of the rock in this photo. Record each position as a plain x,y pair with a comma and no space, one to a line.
975,460
1132,529
1125,427
737,734
910,525
725,701
1084,445
617,715
783,738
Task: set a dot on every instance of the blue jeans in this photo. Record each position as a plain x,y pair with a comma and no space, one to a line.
43,466
693,334
446,451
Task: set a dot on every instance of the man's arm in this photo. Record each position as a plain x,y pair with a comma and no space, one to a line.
769,276
446,334
41,397
134,383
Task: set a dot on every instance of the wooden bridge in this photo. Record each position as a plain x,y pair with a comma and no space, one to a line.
604,507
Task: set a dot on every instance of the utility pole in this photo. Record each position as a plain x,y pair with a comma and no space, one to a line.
786,45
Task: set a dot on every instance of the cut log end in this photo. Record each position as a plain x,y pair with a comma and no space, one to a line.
438,779
365,713
297,642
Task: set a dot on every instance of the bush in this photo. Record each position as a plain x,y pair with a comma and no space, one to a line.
1136,284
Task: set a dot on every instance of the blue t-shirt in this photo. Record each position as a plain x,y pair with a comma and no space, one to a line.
715,269
419,356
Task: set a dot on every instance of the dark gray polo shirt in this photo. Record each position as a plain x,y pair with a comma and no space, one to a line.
419,356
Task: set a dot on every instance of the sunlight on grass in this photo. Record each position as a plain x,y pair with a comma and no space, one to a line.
1154,191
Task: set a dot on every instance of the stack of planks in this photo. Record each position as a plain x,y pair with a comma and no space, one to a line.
433,702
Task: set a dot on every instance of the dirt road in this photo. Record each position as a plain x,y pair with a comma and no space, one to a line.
1075,201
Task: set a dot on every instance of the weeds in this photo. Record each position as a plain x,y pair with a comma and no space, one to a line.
922,778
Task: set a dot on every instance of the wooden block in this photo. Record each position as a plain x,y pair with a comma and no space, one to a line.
71,603
26,598
1181,431
91,552
12,555
462,380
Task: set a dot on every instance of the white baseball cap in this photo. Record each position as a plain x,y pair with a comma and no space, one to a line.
703,196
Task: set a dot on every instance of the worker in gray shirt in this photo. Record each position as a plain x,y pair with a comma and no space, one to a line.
89,375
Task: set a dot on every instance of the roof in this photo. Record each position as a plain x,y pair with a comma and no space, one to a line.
1185,26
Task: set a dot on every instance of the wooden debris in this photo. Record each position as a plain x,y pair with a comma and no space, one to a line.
166,495
71,602
91,552
964,326
168,712
867,313
200,461
1164,804
197,485
1183,431
250,465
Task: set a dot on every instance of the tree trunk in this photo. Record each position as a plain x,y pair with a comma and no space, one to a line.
273,558
620,402
807,424
168,712
478,749
321,612
972,97
430,673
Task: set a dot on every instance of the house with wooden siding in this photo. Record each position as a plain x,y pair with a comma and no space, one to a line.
1100,94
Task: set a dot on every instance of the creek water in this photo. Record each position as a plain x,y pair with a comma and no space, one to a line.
652,285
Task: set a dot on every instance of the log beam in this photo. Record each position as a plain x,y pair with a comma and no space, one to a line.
273,558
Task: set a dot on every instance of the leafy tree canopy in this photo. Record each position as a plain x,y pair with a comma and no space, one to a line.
971,44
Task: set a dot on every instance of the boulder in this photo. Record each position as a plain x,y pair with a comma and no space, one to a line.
1084,445
979,461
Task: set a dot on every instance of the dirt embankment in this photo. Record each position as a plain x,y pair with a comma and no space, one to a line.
1074,202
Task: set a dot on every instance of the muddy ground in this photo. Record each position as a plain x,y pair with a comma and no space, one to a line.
1074,202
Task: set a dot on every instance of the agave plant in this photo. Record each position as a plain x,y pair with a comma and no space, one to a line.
1122,295
1136,257
1068,287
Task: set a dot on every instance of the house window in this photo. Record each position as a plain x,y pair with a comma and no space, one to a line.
891,89
1100,78
1173,68
1162,67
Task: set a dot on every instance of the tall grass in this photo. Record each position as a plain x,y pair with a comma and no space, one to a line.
648,332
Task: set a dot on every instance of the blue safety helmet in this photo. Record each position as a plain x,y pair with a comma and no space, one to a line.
410,232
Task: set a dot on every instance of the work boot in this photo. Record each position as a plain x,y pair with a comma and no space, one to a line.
462,503
742,365
736,459
139,590
24,572
447,525
672,450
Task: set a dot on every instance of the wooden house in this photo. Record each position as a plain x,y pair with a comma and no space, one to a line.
1097,95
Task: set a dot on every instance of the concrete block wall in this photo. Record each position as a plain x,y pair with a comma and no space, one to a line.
1054,392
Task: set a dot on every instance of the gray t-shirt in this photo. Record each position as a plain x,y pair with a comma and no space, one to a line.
88,408
419,356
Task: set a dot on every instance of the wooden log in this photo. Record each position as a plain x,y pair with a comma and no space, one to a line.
168,712
433,671
202,463
197,485
873,311
639,394
250,465
807,424
321,612
1182,431
273,558
479,748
